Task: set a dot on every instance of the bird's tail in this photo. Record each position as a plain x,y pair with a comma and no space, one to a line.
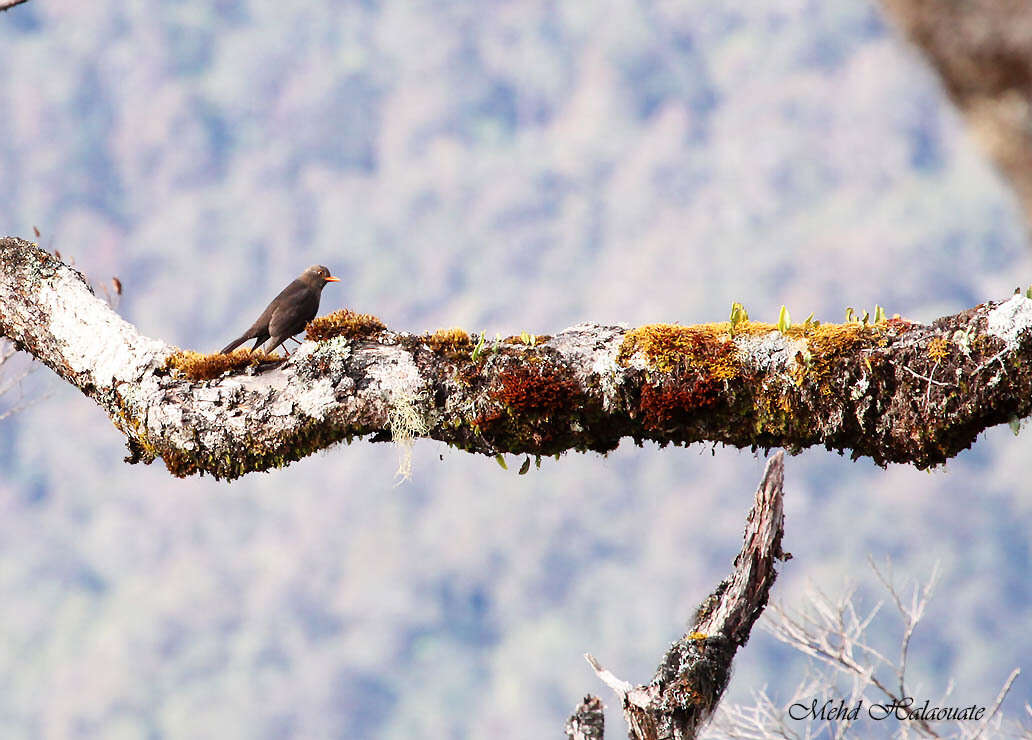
234,344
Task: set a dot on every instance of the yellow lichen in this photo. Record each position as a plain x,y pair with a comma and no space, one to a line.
197,366
939,348
343,323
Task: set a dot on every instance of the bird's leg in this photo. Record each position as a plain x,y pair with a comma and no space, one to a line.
284,345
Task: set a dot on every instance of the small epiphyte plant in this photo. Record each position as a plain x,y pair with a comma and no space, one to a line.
738,316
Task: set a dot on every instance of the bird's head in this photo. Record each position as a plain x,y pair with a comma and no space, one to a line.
318,275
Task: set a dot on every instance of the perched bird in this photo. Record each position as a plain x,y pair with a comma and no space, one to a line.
289,312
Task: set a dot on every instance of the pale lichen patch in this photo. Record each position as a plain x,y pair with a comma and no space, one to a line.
771,352
1010,319
404,389
596,349
317,399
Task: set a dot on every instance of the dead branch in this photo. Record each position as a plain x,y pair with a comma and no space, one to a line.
692,677
588,722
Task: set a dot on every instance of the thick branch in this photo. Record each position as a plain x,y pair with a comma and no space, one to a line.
896,391
690,681
982,50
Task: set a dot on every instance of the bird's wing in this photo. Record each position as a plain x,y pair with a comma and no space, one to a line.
293,314
261,324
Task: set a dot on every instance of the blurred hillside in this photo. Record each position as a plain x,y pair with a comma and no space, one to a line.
503,166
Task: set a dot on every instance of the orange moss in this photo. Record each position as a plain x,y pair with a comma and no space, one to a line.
832,344
197,366
530,340
448,341
839,339
344,323
706,348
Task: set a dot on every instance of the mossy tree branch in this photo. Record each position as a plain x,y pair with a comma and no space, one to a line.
896,391
692,676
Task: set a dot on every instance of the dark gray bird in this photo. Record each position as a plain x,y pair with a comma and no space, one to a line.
289,312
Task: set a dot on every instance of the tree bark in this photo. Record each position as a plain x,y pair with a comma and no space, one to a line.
982,50
693,674
895,391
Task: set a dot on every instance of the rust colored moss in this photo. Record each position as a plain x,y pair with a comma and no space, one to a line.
343,323
535,388
197,366
672,403
898,325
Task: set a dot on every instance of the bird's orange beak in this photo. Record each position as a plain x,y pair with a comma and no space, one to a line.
332,279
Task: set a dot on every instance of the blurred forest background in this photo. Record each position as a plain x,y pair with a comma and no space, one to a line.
504,166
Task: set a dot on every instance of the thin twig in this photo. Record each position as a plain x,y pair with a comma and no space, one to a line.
999,700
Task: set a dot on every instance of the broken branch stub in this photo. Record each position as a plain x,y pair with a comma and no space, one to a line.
695,671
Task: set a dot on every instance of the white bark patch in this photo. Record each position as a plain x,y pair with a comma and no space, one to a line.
395,372
210,394
1010,319
284,407
94,338
165,415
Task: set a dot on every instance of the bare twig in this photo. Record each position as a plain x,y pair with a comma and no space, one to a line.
911,616
9,384
8,4
833,633
998,702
